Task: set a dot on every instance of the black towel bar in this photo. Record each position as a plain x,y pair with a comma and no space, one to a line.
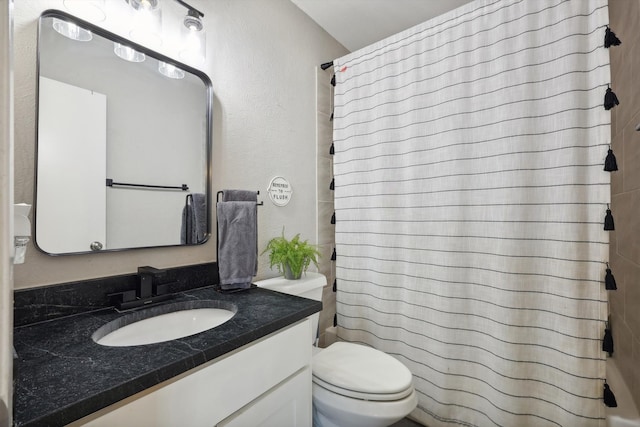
183,187
220,193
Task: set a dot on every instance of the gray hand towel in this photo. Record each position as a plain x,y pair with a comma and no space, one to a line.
187,229
237,244
194,220
239,196
200,213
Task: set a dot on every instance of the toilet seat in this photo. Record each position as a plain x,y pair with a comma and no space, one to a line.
361,372
374,397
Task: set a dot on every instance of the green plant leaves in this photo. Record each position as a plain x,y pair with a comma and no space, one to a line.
296,253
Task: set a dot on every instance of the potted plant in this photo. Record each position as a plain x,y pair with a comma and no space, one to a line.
291,257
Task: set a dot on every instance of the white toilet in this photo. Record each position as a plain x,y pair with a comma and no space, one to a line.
353,385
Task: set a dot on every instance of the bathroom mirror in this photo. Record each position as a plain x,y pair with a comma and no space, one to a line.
123,143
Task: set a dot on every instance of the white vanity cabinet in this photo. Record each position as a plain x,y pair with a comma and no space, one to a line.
284,405
265,383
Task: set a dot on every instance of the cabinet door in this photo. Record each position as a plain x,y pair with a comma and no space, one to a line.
286,405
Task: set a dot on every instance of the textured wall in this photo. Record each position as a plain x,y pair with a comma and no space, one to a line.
6,200
326,230
624,16
261,58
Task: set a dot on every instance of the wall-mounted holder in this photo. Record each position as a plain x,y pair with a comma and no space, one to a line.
22,231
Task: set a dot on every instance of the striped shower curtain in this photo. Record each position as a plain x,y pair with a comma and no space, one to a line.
470,197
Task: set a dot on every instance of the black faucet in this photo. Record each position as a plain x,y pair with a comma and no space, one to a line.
147,291
145,277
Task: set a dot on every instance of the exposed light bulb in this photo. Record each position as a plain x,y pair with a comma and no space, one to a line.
74,31
194,47
170,70
127,53
146,22
90,10
143,4
192,21
193,39
71,30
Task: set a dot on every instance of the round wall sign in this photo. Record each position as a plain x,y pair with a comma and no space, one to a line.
280,191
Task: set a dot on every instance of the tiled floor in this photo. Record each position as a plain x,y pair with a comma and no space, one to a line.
406,422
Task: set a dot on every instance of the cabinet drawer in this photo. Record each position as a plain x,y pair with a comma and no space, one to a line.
286,405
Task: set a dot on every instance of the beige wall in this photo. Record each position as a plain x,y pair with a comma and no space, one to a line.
261,57
624,18
6,212
326,230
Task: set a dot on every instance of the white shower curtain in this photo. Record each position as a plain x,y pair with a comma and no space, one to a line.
470,197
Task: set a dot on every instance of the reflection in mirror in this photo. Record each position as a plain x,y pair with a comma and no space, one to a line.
123,143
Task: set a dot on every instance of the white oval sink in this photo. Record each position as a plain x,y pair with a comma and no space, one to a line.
179,322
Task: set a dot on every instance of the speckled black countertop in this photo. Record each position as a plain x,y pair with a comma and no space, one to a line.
62,375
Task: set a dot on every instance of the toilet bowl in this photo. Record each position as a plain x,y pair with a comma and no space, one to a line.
353,385
358,386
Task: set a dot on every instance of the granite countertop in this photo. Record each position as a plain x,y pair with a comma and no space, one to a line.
62,375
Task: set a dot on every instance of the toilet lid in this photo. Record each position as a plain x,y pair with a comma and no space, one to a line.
361,372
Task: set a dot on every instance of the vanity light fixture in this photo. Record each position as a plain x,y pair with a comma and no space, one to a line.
144,5
90,10
71,30
194,36
127,53
170,70
146,22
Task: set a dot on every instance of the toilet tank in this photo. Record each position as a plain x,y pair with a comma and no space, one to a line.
308,286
